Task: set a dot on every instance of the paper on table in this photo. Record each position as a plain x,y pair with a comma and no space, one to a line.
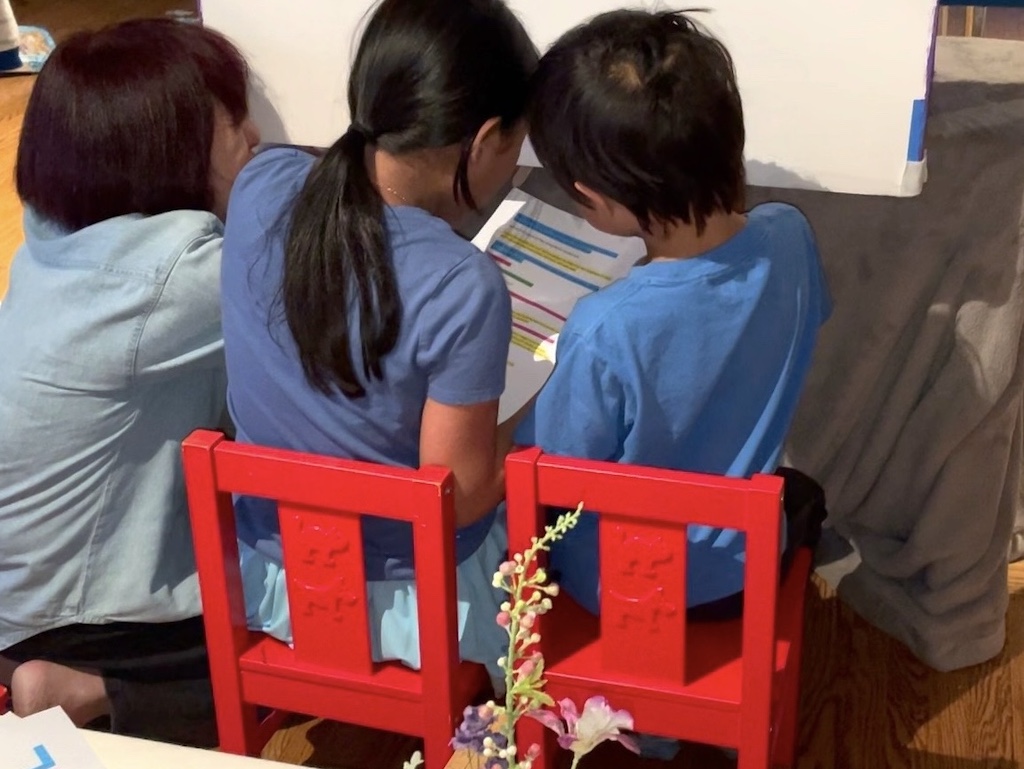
550,260
46,740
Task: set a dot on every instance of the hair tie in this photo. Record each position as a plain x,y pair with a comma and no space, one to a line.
364,133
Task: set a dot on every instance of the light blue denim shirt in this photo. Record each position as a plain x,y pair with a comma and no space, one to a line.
110,354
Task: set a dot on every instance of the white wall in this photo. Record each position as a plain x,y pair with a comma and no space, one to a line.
828,85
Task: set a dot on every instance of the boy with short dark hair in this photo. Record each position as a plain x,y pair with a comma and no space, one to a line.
695,360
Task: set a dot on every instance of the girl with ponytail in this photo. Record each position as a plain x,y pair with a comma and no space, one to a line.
358,324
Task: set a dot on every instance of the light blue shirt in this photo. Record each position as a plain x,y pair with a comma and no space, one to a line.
452,348
111,354
691,364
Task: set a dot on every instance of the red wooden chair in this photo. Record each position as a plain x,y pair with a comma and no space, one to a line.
734,684
329,672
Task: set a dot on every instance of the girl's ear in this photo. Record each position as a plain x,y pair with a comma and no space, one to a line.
490,139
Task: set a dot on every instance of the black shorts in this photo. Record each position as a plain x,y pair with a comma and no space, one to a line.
156,674
150,652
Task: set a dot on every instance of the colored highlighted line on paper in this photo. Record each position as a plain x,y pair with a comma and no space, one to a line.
518,255
522,317
530,331
526,343
538,305
557,235
512,275
558,256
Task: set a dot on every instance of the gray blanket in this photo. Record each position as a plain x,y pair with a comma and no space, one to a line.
912,415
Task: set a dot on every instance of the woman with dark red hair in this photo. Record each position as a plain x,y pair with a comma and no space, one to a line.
111,352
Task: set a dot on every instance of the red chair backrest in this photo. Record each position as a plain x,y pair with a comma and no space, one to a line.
320,502
644,514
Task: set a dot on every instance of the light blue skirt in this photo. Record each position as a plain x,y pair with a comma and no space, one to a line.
394,630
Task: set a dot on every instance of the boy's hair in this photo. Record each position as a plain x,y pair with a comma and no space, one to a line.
121,121
644,109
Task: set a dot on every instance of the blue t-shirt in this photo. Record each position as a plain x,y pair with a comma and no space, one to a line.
456,326
693,364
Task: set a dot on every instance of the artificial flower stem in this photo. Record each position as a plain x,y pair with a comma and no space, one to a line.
509,725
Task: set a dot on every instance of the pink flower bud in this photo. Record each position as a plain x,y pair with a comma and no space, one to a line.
533,752
504,619
506,568
528,619
527,668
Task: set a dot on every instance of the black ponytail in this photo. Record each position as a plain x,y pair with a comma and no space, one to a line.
336,257
428,74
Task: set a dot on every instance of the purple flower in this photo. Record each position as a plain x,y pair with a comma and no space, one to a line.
582,732
477,725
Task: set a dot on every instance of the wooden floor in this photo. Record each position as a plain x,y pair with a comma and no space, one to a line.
867,703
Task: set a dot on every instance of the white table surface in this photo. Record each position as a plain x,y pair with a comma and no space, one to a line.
118,752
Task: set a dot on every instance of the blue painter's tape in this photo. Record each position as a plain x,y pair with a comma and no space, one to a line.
918,117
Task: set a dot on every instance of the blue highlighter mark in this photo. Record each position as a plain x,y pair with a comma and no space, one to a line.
45,759
560,237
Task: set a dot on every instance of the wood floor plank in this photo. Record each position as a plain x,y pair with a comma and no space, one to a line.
1013,658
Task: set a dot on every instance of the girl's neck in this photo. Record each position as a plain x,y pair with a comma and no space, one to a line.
422,180
677,240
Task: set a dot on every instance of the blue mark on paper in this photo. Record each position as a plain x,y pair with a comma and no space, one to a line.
560,237
511,252
45,759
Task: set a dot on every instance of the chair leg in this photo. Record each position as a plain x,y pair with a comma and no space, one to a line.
436,749
755,752
238,729
789,703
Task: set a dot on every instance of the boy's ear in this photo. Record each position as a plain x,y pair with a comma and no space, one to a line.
595,200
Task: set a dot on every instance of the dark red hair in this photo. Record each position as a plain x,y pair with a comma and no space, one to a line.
121,121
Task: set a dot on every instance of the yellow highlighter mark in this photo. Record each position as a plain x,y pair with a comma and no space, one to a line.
538,350
522,317
530,246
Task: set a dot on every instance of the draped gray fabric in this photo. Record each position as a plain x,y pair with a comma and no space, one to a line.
912,415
